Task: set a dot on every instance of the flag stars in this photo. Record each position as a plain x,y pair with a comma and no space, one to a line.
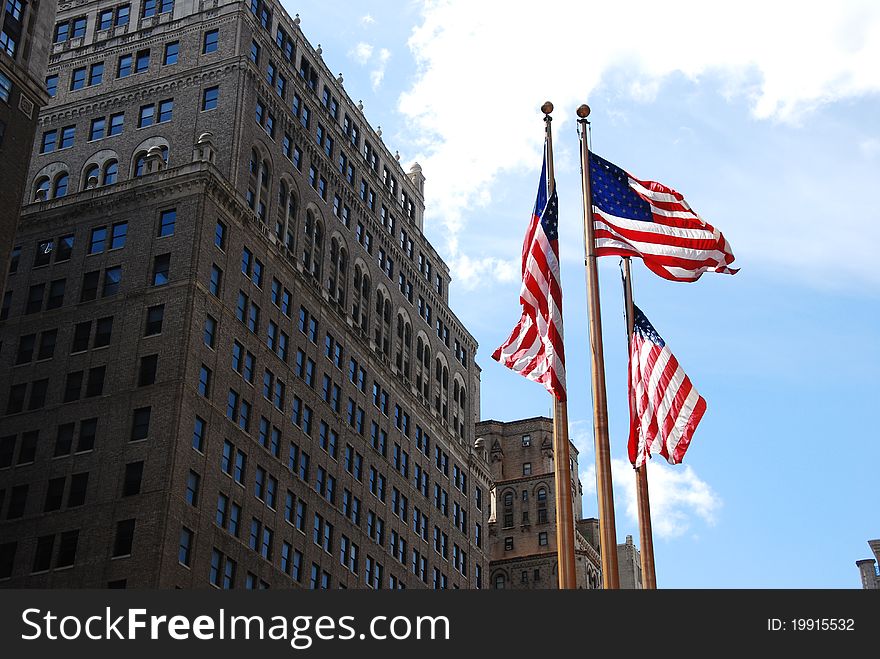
550,218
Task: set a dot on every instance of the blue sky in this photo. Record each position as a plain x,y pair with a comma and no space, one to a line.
771,130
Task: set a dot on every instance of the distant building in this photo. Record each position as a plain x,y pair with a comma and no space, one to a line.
868,567
522,520
629,559
25,38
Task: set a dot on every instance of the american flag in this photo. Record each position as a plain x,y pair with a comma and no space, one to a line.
654,222
664,406
534,348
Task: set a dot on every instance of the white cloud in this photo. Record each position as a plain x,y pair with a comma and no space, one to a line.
484,68
367,20
471,273
678,496
870,147
362,52
378,74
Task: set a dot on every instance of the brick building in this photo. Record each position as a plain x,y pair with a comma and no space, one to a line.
227,352
25,36
522,523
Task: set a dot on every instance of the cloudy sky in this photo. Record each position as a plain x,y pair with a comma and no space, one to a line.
766,116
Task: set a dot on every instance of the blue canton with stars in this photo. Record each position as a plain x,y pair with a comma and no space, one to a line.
612,194
644,327
548,212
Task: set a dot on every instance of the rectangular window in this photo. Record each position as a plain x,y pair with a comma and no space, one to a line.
215,285
78,78
123,68
211,41
161,268
185,549
140,426
124,540
171,53
131,484
209,98
145,117
142,61
166,109
96,73
6,86
116,123
96,132
112,281
167,220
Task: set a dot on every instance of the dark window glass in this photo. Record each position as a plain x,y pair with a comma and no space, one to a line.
124,539
161,267
155,316
103,332
78,485
131,483
147,371
95,382
140,425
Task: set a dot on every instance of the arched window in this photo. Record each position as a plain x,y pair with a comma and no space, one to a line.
285,221
111,172
382,333
360,306
337,276
265,187
423,368
140,163
499,582
542,494
403,345
281,216
313,245
59,188
459,401
41,189
441,398
91,171
508,499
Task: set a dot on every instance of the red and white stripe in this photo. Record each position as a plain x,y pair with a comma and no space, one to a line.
677,245
534,348
665,408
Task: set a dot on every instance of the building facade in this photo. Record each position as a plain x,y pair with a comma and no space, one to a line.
228,354
25,37
629,559
868,568
522,522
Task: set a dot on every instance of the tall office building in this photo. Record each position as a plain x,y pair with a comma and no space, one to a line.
522,524
227,348
25,36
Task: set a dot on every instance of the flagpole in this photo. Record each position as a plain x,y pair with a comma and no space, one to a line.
604,488
562,459
646,537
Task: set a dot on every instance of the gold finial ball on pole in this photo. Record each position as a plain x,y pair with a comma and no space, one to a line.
583,111
547,108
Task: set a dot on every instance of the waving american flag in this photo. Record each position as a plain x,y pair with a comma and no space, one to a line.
665,407
655,223
534,348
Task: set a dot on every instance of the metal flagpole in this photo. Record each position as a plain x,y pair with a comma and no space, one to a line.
607,526
646,538
561,456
